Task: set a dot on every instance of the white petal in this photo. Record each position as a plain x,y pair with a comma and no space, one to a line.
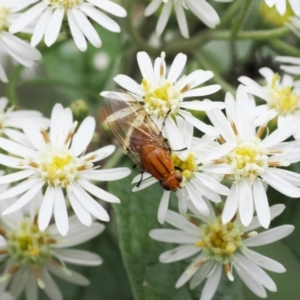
164,17
24,199
53,27
76,32
163,207
269,236
33,134
172,236
208,129
71,276
178,253
264,262
261,203
46,209
111,7
181,19
177,67
212,283
101,18
231,205
202,105
16,176
78,257
78,234
245,199
283,186
51,289
197,200
41,26
16,148
83,136
20,188
152,7
60,211
27,17
98,192
83,215
107,175
145,65
127,83
87,28
91,205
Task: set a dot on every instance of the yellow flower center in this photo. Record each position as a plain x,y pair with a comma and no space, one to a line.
271,14
4,13
160,98
27,245
248,158
58,167
220,242
282,98
66,4
187,167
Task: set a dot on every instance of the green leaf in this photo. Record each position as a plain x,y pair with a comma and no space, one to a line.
136,216
150,279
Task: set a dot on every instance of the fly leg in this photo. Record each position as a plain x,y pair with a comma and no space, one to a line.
141,179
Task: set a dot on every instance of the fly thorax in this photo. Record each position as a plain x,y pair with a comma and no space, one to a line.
282,98
248,159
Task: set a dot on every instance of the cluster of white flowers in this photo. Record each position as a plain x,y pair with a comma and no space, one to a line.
55,173
239,147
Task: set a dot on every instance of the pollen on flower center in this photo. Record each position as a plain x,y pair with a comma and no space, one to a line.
29,246
4,13
221,241
161,98
59,167
282,98
66,4
248,159
187,167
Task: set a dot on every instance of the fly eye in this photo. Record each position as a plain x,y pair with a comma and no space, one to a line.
165,186
178,177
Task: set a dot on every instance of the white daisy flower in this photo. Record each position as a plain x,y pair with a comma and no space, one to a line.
221,246
18,49
195,184
281,95
201,9
254,160
281,5
291,64
11,121
163,93
49,15
57,162
30,256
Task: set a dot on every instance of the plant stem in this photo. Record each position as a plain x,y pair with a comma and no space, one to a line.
217,77
284,48
242,18
189,46
11,85
135,34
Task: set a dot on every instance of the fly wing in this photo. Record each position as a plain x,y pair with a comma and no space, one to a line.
126,118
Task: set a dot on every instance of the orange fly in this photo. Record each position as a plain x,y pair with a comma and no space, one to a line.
140,138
